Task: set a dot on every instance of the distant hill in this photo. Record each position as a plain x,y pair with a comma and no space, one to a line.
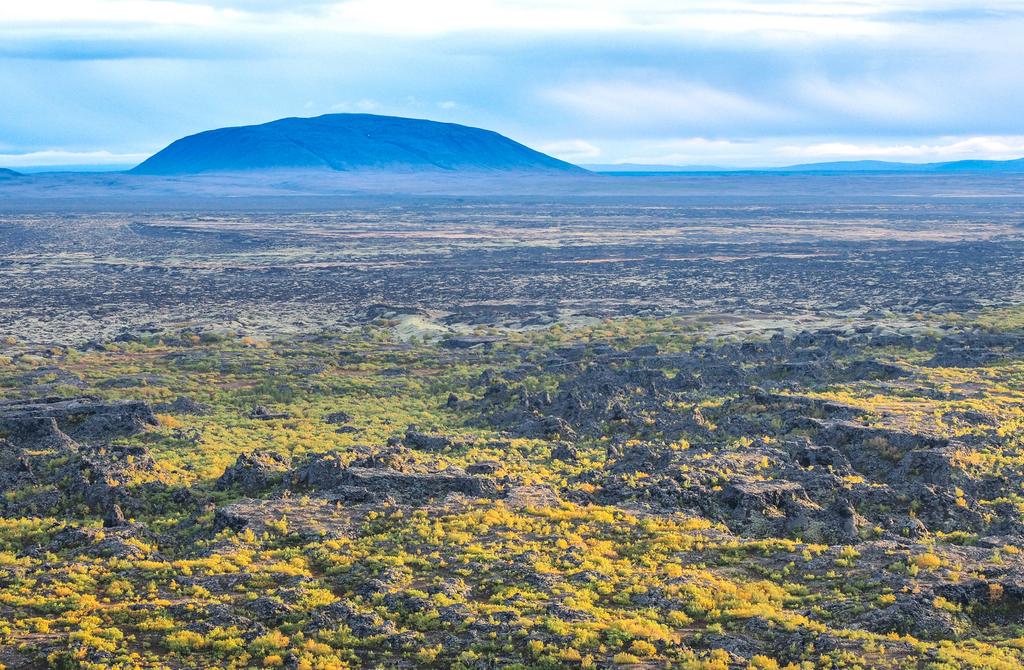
855,166
7,174
1010,166
1016,165
349,142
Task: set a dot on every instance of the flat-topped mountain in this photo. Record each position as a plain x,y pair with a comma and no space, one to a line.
350,142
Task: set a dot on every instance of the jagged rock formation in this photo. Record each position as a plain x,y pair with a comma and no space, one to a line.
255,472
85,418
375,481
825,474
74,434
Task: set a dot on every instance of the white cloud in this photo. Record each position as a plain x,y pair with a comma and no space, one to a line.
868,98
361,106
69,158
636,103
825,19
941,149
65,13
819,20
691,151
571,150
774,152
809,19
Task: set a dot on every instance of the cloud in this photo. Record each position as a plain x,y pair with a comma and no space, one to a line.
67,13
775,152
53,157
761,18
738,81
362,106
938,150
635,103
865,98
156,45
571,150
690,151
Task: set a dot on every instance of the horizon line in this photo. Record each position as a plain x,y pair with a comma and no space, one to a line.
626,166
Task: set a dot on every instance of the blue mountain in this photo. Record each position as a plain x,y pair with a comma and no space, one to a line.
349,142
1016,165
7,174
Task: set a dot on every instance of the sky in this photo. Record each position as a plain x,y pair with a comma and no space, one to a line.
729,82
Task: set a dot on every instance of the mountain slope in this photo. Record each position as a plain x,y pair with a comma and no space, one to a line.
7,174
349,142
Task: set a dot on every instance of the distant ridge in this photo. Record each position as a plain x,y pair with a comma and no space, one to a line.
350,142
1016,165
1008,166
857,166
6,173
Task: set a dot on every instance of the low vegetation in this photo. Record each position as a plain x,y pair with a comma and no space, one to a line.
637,493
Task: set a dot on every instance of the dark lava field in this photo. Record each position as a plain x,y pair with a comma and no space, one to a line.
274,265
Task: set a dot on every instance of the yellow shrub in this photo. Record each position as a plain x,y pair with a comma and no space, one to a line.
642,648
570,655
275,640
185,641
761,662
168,421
